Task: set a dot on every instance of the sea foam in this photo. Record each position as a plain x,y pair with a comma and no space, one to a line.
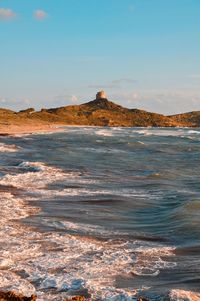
35,262
8,148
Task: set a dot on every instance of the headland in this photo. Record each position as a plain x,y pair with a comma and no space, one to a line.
98,112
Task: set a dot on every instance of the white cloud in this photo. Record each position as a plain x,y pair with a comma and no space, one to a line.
114,84
124,80
40,15
73,98
15,104
7,14
64,99
166,102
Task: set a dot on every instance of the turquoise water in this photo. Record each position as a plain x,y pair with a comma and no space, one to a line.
111,213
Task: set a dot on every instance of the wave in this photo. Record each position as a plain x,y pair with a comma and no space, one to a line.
193,132
106,133
38,175
8,148
63,262
34,262
181,133
103,150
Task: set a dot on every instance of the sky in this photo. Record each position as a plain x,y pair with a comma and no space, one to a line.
144,53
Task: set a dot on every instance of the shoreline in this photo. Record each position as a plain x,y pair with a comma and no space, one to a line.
7,130
14,129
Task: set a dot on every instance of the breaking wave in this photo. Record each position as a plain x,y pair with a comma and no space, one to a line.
8,148
60,263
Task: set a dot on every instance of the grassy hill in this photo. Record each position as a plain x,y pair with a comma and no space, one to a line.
99,112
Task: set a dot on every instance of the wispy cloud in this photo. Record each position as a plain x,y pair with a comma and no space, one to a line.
65,98
114,84
103,86
7,14
15,104
124,81
40,14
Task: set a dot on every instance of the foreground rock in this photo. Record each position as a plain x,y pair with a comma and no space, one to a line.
9,296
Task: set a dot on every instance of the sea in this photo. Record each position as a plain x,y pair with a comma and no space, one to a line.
107,213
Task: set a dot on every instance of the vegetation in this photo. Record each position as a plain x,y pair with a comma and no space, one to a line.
99,112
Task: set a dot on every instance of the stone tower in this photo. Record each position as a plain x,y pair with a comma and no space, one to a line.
101,94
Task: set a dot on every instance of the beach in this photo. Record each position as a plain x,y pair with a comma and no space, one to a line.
13,129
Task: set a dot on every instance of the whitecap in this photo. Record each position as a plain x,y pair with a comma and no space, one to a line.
193,132
8,148
38,175
61,261
106,133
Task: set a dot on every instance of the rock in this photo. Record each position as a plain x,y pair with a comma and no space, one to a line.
9,296
77,298
28,111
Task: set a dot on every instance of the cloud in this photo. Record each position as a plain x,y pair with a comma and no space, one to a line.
65,98
15,104
40,15
124,80
166,102
73,98
115,84
7,14
102,86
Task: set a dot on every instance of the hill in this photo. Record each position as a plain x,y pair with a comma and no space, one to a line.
99,112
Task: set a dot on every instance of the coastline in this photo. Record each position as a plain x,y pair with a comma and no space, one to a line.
17,129
14,129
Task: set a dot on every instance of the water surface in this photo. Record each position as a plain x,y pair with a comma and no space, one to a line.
111,213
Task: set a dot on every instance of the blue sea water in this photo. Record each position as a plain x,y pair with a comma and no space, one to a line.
108,213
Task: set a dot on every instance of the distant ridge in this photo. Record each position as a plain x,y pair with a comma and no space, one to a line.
99,112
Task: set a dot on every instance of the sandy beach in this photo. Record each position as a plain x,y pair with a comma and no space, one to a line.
12,129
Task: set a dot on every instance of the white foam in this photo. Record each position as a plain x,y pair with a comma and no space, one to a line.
150,260
35,261
10,281
182,295
39,176
61,261
193,132
106,133
8,148
90,191
163,132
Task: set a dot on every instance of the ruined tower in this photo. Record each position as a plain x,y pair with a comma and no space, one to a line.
101,94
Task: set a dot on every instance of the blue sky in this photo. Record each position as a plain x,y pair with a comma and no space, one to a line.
144,53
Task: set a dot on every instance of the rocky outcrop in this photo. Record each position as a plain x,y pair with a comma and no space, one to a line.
10,296
28,111
99,112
